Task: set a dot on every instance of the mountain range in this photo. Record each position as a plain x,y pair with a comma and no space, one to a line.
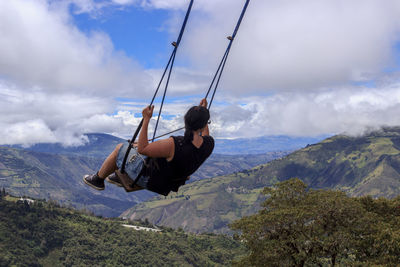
52,171
364,165
263,144
59,177
100,145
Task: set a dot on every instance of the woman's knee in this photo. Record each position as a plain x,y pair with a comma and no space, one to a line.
116,150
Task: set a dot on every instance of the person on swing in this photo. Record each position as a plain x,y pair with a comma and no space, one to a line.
164,165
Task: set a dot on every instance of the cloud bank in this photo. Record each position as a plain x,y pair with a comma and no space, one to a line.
292,70
296,45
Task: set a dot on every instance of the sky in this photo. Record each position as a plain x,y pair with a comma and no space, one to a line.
296,68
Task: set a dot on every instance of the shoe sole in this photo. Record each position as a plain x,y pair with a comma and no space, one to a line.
114,183
92,186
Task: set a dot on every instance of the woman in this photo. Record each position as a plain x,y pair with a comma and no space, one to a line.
164,165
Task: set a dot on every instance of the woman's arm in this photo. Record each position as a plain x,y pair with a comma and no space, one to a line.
159,149
143,142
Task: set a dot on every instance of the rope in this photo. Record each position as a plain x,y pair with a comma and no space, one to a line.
163,98
228,49
169,65
220,68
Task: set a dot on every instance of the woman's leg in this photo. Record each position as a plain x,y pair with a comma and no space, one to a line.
109,165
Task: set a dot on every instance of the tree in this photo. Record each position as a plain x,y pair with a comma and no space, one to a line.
299,226
380,242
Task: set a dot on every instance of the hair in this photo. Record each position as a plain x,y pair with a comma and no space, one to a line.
195,118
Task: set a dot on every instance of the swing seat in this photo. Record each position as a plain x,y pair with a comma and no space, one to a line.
126,181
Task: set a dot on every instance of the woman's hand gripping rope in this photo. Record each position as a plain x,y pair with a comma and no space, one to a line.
147,112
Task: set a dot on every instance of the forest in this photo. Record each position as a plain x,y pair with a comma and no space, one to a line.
45,234
299,226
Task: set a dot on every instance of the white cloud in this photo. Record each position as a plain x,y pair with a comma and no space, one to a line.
27,133
58,82
344,110
32,115
37,117
183,81
40,46
124,2
165,4
295,45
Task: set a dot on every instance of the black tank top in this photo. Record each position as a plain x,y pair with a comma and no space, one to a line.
169,176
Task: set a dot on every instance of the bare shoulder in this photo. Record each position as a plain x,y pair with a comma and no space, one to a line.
169,140
167,143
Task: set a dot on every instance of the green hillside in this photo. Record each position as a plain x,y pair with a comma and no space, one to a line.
218,164
367,165
59,177
44,234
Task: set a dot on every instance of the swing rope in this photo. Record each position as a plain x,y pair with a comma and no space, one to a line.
215,81
218,74
221,66
169,65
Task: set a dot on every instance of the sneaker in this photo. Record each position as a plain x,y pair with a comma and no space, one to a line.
114,179
94,181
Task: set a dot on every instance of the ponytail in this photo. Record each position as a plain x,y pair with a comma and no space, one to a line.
188,137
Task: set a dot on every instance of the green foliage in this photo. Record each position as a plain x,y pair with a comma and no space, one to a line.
299,226
3,193
43,233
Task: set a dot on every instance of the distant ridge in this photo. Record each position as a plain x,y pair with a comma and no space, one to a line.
263,144
99,145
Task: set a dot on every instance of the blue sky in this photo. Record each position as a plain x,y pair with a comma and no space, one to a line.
298,68
135,31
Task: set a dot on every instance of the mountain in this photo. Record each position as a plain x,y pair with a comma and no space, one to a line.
365,165
98,145
262,144
38,233
58,175
218,164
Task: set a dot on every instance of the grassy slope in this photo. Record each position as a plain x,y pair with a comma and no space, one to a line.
360,166
218,164
206,205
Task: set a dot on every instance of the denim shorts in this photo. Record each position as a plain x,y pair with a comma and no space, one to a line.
134,164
